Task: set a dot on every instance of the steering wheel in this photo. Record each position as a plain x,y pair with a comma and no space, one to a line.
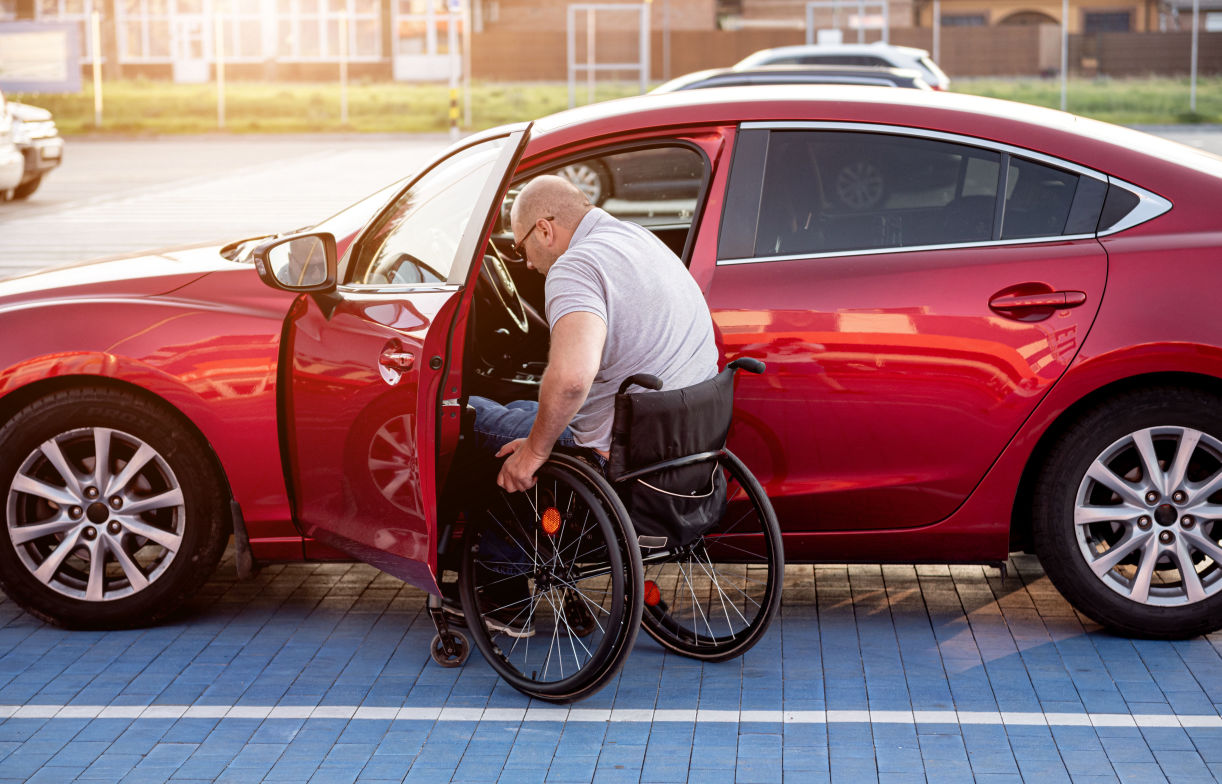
497,287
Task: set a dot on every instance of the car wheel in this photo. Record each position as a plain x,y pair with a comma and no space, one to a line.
113,511
1128,513
590,179
860,185
25,189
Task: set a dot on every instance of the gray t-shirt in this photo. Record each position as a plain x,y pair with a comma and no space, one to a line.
657,320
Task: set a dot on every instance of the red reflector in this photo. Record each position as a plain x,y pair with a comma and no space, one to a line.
652,594
551,520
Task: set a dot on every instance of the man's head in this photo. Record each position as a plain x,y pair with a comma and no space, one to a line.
543,218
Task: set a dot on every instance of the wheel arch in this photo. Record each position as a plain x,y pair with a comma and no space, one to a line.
1020,518
19,398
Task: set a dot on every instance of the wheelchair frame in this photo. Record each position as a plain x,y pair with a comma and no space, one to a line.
594,587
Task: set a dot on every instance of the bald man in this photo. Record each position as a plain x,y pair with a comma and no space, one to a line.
617,302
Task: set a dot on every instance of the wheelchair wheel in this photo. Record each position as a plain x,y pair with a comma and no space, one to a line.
714,599
550,589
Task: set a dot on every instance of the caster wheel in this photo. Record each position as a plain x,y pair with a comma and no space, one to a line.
461,647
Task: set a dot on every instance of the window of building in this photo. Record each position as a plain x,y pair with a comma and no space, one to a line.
242,22
964,20
77,11
310,29
144,30
1107,22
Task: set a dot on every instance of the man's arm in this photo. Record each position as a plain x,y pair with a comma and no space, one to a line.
573,361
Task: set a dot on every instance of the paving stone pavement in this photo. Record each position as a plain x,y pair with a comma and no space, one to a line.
320,673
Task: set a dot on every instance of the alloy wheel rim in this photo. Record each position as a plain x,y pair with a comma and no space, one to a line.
1146,516
95,514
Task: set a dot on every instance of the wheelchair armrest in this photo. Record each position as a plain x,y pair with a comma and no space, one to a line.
748,364
641,380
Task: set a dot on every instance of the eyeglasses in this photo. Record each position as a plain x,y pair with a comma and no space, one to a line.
518,248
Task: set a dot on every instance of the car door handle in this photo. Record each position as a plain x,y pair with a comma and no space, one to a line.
1051,299
401,361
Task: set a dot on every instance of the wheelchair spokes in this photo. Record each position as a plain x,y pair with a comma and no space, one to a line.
550,587
715,598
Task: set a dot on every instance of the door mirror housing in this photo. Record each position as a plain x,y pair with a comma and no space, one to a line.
304,263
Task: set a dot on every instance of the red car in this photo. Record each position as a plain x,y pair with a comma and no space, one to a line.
988,327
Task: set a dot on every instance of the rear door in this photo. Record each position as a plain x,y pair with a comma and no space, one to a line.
366,365
914,295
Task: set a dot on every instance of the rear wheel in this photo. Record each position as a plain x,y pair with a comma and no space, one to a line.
714,599
113,512
1128,513
550,591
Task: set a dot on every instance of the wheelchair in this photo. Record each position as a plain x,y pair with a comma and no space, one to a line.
673,534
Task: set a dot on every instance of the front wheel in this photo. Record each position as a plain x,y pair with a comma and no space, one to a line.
1128,513
551,583
26,189
113,512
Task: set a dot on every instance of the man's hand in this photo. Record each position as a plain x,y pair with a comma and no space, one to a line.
518,472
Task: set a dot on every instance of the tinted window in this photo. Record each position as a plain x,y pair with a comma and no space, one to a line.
1038,200
826,191
416,239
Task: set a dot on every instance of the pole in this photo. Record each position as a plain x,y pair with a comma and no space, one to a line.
937,31
95,35
466,63
645,46
1064,53
666,40
571,45
219,48
590,33
452,40
1192,89
343,68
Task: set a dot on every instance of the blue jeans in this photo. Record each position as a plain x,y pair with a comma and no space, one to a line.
497,425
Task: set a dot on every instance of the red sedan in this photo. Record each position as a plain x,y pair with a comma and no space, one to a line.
988,327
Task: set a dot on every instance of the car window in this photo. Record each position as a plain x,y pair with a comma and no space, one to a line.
1038,200
826,191
656,187
415,240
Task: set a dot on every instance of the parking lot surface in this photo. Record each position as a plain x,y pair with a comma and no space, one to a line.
321,673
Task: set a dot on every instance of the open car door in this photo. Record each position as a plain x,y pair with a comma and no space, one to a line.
364,360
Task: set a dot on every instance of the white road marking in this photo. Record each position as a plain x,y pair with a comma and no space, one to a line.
615,715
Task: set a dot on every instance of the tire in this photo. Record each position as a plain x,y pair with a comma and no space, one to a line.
715,599
26,189
515,576
157,530
1137,548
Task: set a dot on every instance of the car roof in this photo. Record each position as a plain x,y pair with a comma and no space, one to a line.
1088,142
871,48
792,74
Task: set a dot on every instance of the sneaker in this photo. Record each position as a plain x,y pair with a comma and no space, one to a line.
504,621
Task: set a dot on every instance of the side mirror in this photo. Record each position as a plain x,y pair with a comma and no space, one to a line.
303,263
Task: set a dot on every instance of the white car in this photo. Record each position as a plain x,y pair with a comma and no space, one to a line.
12,163
39,142
875,54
